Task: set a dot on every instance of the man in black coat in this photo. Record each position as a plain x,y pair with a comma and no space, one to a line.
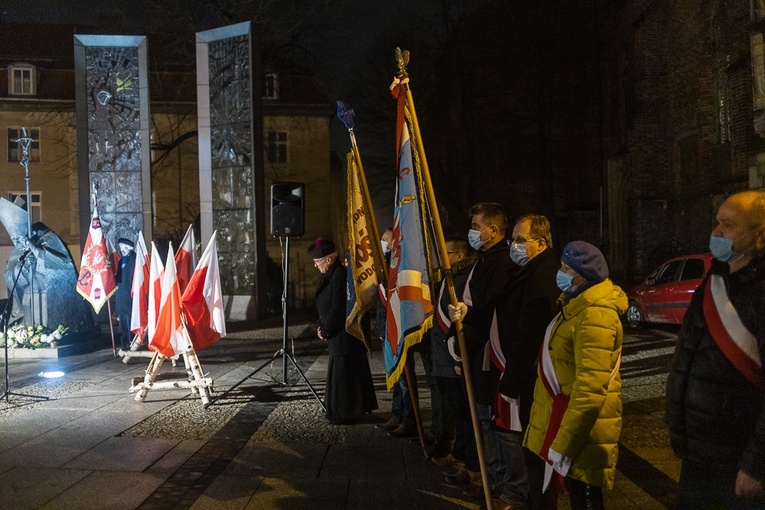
123,299
485,285
349,391
716,388
523,314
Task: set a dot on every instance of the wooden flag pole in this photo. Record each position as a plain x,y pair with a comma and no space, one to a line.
402,58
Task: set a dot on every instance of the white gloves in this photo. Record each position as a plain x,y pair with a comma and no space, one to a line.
560,462
457,312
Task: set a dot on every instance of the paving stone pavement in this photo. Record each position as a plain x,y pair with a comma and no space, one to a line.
262,445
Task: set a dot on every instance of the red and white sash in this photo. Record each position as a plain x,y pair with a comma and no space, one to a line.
735,341
444,322
506,410
559,405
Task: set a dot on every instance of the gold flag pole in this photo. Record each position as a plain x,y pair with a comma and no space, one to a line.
345,114
402,59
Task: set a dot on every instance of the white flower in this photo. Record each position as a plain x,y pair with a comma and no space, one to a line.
56,335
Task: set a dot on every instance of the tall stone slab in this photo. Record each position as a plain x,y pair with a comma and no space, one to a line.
231,164
113,139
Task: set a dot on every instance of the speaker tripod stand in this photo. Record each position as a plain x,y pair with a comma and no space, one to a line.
283,353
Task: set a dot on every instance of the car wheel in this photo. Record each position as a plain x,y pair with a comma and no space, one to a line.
634,316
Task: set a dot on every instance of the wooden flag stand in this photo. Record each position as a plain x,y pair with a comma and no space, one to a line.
201,386
131,353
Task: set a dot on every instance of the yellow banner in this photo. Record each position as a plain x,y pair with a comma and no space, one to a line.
364,295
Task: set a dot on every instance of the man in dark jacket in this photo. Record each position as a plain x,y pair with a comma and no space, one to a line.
523,314
716,388
448,401
484,287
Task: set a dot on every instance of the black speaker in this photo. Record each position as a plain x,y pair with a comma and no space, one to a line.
287,209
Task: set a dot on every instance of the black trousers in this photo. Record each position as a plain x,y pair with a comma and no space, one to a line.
584,496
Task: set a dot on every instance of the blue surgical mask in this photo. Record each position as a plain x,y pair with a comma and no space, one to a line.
564,281
518,254
722,248
474,238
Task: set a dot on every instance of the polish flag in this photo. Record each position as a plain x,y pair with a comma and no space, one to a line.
96,281
203,300
186,258
139,315
169,339
156,273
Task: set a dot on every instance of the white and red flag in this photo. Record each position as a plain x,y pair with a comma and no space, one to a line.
96,281
156,272
186,258
203,300
139,315
169,338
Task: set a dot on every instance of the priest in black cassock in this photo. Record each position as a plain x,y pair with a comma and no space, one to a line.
349,393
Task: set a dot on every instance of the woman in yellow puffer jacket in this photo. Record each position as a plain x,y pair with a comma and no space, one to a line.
576,417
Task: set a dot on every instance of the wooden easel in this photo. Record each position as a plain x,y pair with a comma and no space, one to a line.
200,385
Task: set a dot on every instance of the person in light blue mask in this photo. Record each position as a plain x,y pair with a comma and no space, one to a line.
576,416
484,287
716,387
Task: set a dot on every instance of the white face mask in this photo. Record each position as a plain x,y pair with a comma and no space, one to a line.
385,247
125,250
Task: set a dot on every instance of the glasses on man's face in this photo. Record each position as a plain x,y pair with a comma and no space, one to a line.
522,241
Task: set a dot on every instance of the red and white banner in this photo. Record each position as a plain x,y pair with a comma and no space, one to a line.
203,300
139,315
169,339
96,281
186,258
156,273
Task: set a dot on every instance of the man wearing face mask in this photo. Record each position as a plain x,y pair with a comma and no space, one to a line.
123,301
716,388
485,285
522,315
402,423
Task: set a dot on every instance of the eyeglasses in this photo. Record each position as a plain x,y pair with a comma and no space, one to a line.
524,241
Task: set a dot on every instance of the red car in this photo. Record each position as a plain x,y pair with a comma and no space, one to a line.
665,294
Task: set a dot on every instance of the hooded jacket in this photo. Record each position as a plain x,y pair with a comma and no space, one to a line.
585,348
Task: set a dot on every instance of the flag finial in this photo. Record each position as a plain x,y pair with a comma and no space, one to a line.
402,59
345,113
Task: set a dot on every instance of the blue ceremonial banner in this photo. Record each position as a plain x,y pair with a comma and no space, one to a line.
409,303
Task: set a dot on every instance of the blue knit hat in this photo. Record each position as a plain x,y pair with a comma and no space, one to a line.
585,259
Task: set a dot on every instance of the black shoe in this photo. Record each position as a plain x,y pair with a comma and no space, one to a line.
389,425
402,432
